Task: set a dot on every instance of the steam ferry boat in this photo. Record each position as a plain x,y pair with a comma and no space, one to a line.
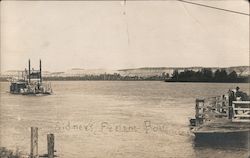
30,83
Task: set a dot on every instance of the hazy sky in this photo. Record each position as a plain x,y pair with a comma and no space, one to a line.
109,34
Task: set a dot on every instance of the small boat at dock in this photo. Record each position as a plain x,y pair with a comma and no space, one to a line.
222,120
30,83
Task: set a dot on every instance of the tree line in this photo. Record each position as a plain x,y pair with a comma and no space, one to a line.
106,77
206,75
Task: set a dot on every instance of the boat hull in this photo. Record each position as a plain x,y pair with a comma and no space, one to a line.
223,138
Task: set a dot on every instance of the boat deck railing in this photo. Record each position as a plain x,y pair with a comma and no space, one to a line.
241,111
218,104
219,107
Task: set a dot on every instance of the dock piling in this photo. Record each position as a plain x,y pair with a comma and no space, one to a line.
34,143
50,140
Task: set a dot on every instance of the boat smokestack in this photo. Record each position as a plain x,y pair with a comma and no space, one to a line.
40,65
29,71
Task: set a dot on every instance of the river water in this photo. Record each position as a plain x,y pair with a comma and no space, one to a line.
118,119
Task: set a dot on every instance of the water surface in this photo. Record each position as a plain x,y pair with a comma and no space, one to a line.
104,119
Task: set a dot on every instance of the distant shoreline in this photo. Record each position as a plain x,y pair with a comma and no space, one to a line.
234,74
205,75
208,81
169,81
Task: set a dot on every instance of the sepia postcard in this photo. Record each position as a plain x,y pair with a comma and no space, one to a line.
124,79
